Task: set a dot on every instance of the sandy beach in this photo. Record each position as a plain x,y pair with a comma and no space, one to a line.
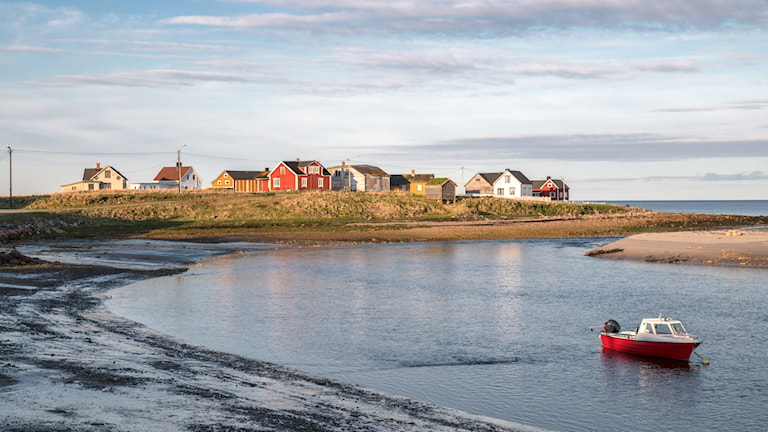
727,247
69,364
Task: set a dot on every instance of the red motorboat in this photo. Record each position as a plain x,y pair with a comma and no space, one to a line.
656,337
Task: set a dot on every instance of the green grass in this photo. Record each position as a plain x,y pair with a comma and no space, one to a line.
222,212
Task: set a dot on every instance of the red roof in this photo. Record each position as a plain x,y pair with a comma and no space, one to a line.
171,173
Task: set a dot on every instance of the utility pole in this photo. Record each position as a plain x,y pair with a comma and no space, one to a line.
178,164
10,173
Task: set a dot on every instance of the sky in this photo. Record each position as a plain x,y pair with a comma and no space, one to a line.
623,99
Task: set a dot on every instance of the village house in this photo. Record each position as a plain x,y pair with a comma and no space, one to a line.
555,190
512,184
481,184
443,189
506,184
299,175
242,181
361,178
95,179
413,183
168,178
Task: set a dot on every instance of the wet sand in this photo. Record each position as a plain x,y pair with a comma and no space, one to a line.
67,363
727,247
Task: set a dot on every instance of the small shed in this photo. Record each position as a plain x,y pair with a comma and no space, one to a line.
443,189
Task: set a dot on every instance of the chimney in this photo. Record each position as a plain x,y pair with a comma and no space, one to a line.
413,173
298,160
98,165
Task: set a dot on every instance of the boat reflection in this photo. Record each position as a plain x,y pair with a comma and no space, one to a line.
619,360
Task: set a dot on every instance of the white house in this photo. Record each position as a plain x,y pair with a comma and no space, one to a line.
168,178
512,184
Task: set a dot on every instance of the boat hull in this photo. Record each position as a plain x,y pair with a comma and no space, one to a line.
667,350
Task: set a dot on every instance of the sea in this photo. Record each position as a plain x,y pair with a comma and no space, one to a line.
497,328
729,207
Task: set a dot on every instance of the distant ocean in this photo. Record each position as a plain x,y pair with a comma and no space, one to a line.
730,207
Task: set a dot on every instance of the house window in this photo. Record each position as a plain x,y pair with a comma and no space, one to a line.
419,187
507,179
276,182
282,170
107,174
303,182
218,182
314,169
320,183
500,191
512,191
552,194
90,186
225,182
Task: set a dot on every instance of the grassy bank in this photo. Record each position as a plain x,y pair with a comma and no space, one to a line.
326,216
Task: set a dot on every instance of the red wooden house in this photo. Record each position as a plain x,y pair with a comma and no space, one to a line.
299,175
556,190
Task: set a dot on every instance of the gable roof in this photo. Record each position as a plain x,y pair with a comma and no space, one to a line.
537,184
296,166
490,177
171,173
246,175
370,170
519,176
90,173
439,181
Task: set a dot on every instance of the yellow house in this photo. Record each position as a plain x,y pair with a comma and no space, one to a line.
95,179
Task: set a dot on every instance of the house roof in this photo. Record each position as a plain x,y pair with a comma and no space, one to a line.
519,176
439,181
90,173
171,173
490,177
246,175
418,178
296,166
537,184
370,170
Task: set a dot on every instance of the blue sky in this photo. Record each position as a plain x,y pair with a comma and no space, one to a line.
625,100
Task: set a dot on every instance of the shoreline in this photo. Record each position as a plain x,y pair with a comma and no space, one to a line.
70,364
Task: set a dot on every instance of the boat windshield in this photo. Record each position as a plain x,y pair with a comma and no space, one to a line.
662,329
677,328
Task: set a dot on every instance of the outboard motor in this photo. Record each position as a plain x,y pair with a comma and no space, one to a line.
611,326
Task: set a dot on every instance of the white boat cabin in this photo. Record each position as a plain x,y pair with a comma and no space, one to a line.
662,326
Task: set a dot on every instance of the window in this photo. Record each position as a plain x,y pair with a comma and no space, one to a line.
282,170
662,329
678,328
225,182
107,174
419,187
648,328
90,186
512,190
303,182
276,182
314,169
218,182
500,191
507,178
320,183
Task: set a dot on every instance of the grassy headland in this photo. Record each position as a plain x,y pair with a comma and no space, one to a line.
325,216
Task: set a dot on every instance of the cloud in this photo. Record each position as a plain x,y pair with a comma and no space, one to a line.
607,147
29,49
746,104
492,19
707,177
157,78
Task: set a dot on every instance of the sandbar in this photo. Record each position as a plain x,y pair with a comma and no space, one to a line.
726,247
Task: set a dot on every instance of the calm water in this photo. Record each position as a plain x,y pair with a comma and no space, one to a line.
732,207
498,328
